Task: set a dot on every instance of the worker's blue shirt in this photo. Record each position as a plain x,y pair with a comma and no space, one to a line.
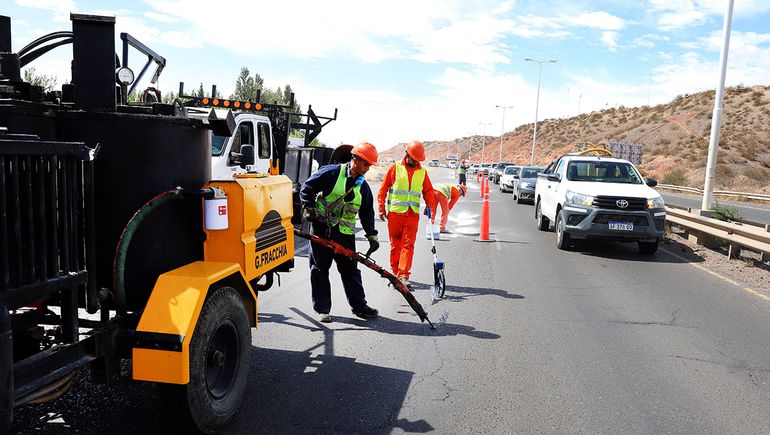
323,181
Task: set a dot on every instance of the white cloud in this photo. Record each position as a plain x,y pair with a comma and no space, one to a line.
649,40
60,8
163,18
610,39
179,39
446,115
597,20
676,14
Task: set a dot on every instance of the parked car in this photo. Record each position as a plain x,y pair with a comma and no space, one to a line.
510,172
497,170
599,197
524,184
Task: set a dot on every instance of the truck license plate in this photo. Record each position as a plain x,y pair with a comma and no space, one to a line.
622,226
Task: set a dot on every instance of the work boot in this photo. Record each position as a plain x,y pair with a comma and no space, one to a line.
444,231
324,318
406,282
366,312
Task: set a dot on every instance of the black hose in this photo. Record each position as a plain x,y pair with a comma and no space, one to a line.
121,251
29,57
45,38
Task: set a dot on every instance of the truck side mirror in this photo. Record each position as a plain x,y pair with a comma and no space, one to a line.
247,155
651,182
553,177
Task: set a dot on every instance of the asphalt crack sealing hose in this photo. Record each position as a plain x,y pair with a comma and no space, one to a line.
368,262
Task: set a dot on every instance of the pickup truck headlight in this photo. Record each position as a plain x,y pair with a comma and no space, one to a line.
525,185
656,203
579,199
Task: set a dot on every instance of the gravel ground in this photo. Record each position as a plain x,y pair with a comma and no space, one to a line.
748,270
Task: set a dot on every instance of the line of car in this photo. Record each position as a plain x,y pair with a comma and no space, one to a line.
583,197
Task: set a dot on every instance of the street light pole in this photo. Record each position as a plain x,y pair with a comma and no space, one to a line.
502,129
537,101
716,117
484,133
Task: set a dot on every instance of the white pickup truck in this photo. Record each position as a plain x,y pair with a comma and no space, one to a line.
599,197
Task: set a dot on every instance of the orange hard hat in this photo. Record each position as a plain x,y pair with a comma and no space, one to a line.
366,151
416,150
461,188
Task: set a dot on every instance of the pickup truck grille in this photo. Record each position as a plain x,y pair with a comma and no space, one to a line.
637,220
610,202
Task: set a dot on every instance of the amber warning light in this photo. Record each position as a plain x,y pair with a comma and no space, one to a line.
248,105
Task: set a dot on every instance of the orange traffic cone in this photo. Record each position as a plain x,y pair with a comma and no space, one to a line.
484,230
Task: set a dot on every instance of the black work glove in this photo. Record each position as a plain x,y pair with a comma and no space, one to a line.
310,214
426,212
374,244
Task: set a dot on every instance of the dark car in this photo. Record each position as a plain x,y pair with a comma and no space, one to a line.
524,183
498,171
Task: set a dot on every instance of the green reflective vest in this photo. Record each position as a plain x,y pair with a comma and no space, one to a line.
402,196
462,169
445,189
337,211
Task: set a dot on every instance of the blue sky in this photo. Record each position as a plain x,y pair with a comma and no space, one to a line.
431,69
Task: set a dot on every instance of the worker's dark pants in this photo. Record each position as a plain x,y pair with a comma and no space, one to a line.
462,179
320,263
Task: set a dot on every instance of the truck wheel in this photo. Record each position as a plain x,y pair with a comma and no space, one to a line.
543,224
219,365
563,241
648,248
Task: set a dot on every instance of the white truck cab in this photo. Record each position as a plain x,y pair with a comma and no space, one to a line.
251,129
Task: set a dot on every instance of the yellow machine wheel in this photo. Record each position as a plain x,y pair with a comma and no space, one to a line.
219,365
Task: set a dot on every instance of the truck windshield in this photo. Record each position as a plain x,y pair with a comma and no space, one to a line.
218,144
603,171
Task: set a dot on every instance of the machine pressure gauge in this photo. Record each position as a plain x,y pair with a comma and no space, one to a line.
124,76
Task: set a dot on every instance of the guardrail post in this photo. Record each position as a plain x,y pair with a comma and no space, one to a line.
700,238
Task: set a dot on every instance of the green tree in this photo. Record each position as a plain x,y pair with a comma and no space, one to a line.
47,82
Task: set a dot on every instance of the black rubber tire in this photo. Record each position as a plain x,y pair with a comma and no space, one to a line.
543,223
563,241
648,248
518,198
210,400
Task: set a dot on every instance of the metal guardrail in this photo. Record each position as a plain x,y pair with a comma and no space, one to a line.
704,230
757,196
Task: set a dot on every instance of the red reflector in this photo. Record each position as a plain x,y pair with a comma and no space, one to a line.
258,106
247,105
226,103
216,102
237,104
205,101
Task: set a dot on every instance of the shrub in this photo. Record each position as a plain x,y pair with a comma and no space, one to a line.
726,212
676,176
758,174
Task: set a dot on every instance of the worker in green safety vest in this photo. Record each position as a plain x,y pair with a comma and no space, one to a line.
404,184
333,197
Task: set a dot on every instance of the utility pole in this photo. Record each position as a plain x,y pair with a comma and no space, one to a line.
716,118
537,101
502,129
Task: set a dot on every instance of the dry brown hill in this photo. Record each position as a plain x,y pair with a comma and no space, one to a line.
675,138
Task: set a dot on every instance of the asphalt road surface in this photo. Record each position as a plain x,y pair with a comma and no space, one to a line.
753,212
597,340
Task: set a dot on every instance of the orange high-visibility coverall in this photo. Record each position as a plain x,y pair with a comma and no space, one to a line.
445,207
402,227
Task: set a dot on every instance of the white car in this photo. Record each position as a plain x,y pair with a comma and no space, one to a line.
507,177
599,197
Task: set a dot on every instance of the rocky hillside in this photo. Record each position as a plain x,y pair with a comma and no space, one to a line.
675,138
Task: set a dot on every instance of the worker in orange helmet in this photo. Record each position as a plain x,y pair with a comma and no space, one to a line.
333,197
404,184
446,196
